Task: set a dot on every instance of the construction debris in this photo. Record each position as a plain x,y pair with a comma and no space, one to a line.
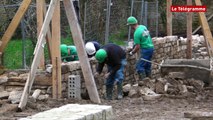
173,85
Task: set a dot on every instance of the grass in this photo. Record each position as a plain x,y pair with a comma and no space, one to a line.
119,38
12,58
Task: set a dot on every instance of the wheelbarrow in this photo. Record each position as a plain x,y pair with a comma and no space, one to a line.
200,69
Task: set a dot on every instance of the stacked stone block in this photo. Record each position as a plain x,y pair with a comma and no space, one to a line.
169,47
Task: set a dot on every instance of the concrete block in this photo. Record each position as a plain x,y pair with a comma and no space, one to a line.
74,86
75,112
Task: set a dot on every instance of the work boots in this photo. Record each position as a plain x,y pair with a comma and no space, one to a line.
119,90
148,74
109,90
142,76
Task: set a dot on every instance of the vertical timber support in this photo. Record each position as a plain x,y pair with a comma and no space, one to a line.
189,32
56,55
40,19
169,17
84,61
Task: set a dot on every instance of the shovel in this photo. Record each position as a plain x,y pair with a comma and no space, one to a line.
178,66
159,65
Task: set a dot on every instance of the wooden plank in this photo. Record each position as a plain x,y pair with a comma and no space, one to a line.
56,55
199,27
169,17
14,24
39,49
78,41
205,28
40,19
189,32
48,36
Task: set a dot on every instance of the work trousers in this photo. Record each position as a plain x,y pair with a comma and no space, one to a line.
143,67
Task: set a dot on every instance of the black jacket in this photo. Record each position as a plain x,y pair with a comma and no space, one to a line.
114,56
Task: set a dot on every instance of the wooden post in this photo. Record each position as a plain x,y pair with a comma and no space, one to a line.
40,19
206,30
169,18
56,55
39,49
189,32
14,24
78,41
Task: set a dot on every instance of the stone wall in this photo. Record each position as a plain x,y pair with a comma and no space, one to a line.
169,47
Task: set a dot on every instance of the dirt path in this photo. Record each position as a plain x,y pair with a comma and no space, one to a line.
165,108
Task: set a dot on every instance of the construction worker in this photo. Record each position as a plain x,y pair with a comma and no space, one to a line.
68,53
91,48
115,58
142,42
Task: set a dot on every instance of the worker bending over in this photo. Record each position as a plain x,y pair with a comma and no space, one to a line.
115,58
68,53
92,47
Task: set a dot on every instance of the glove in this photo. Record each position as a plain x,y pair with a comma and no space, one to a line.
107,75
96,74
130,53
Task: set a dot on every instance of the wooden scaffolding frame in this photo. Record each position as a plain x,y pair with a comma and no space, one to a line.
53,40
204,24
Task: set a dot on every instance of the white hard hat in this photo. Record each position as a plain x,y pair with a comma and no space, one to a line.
90,48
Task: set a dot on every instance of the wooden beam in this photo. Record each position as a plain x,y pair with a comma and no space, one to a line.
14,24
48,36
199,27
78,41
206,30
189,32
40,19
56,54
169,18
39,49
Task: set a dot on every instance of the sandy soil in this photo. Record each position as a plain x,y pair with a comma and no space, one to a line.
165,108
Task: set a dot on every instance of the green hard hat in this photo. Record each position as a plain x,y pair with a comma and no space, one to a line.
132,20
64,51
101,55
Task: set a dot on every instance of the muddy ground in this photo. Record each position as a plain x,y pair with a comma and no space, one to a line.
168,107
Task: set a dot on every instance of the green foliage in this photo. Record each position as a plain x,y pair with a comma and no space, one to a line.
119,38
68,40
12,58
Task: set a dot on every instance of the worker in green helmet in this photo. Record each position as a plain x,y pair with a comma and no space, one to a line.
143,43
68,53
115,58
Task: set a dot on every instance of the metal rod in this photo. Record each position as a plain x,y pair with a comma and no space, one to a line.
85,20
156,18
132,4
107,21
141,19
23,44
150,62
146,16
